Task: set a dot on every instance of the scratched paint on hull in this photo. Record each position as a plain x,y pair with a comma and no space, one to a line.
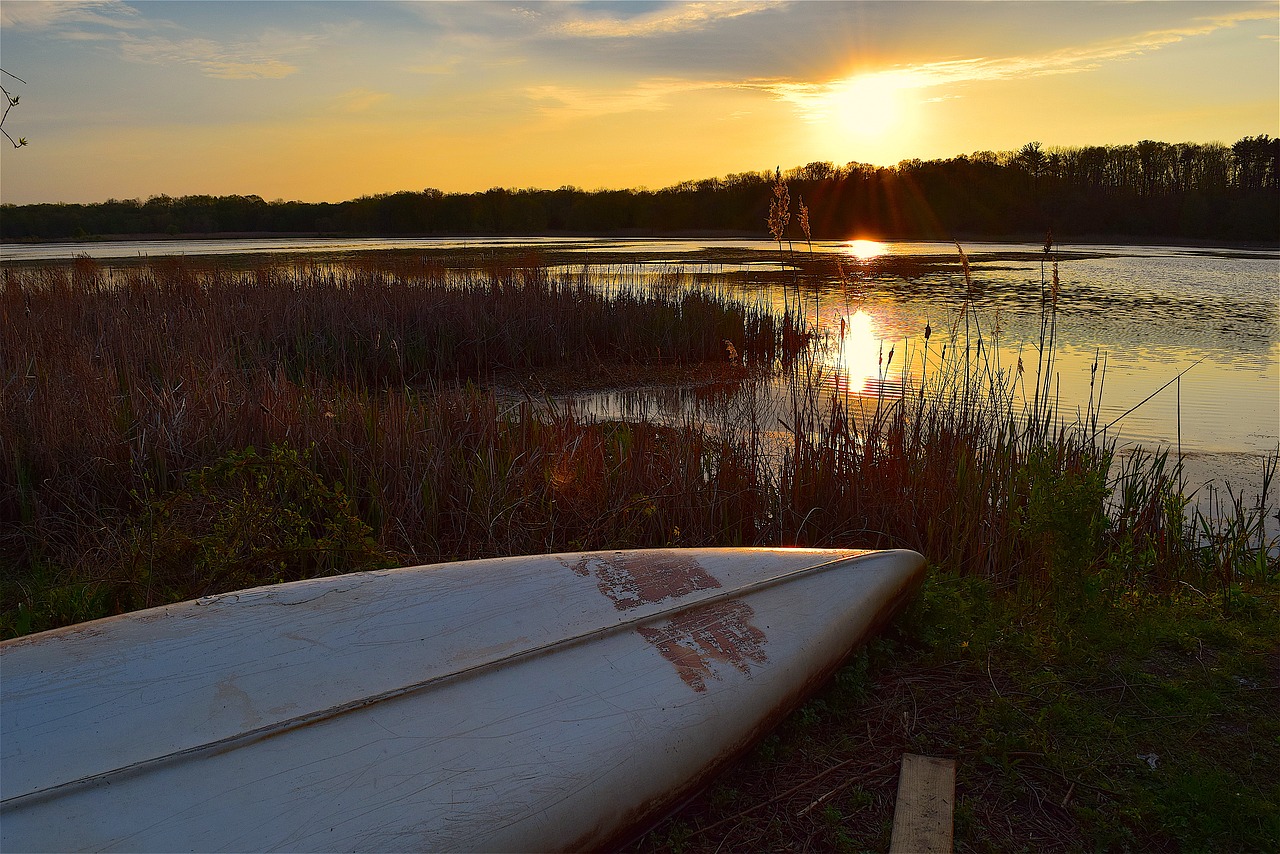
510,704
697,640
694,641
631,580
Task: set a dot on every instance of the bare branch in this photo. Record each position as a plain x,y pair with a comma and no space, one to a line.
10,101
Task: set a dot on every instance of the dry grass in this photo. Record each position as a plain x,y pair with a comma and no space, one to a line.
123,389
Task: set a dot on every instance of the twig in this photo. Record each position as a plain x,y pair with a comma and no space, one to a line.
789,792
846,784
1148,397
11,101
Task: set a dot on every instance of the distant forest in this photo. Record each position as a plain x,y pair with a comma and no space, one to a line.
1147,190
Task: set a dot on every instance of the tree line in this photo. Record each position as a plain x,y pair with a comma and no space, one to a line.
1146,190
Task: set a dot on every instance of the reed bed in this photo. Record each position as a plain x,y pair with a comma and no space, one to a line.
168,431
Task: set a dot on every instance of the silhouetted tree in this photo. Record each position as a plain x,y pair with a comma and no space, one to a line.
1183,190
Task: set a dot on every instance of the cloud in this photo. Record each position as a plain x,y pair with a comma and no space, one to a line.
664,21
360,100
268,56
442,66
46,14
814,100
650,95
263,58
1089,57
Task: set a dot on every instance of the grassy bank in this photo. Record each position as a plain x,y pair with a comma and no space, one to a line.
169,431
1112,724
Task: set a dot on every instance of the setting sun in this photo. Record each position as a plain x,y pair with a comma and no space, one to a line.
332,101
867,107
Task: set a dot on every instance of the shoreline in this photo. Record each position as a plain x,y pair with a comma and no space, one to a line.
1086,240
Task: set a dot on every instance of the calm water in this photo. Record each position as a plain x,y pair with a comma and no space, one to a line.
1150,312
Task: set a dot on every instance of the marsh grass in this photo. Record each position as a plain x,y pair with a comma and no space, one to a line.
124,388
172,430
369,382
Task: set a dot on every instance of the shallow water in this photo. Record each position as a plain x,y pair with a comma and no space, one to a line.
1145,313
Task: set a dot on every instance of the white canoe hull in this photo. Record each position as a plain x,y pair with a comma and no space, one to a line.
541,703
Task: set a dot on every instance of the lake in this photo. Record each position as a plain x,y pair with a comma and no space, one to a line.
1145,313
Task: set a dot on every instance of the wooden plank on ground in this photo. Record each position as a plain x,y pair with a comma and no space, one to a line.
926,799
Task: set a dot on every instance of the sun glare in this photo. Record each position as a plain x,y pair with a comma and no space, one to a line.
865,250
866,107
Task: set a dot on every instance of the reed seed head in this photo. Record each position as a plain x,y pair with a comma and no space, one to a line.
779,208
964,266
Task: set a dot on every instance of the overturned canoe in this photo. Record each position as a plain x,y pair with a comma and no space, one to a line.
533,703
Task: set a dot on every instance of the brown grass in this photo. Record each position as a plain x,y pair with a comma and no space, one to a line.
128,393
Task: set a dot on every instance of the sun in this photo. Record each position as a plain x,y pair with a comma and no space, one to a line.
866,107
871,117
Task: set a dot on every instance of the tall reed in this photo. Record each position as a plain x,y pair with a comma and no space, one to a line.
130,401
121,388
956,465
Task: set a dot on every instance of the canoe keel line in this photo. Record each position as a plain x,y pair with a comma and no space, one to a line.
558,702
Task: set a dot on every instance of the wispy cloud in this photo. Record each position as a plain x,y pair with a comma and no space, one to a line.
684,17
814,99
153,40
360,100
446,65
267,57
46,14
648,95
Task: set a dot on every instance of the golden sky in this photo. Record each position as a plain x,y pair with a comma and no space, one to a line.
329,101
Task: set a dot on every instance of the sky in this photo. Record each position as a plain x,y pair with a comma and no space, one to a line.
327,101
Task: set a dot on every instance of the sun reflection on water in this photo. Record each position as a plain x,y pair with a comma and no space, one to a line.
865,250
865,359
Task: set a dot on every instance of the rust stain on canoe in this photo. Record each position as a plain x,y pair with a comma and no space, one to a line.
696,641
625,830
634,579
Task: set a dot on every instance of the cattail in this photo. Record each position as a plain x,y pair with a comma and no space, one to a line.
780,207
964,267
928,330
